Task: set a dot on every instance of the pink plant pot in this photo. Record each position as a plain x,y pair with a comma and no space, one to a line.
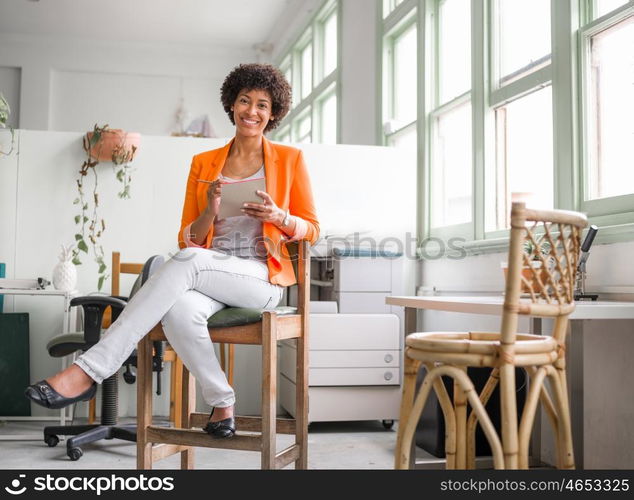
112,139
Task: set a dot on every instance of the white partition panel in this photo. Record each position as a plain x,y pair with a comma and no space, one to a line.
357,188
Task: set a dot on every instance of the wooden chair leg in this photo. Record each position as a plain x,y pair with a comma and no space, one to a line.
460,405
230,364
508,413
187,408
449,414
301,403
223,357
407,427
472,423
564,441
172,417
269,389
144,403
407,402
528,415
92,411
178,368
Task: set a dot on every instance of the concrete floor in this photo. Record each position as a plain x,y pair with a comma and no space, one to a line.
331,445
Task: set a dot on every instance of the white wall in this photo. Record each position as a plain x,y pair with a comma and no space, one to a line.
70,85
37,188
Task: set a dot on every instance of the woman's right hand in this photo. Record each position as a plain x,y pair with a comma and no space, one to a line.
214,192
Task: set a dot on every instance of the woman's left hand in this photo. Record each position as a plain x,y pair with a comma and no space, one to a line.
265,212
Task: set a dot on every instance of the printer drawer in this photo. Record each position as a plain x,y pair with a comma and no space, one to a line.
345,367
353,376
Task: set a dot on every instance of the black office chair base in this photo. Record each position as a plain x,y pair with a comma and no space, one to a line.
84,434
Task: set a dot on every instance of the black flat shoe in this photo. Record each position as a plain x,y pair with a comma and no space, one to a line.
221,429
44,395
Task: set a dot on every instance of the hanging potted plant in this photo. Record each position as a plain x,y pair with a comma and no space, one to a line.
101,144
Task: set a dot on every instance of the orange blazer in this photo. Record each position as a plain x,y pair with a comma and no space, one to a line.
286,181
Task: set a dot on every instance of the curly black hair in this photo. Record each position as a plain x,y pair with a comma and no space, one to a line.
257,77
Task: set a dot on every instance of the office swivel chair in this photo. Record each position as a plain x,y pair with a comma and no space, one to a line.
94,307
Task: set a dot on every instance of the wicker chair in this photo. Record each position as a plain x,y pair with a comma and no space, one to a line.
550,238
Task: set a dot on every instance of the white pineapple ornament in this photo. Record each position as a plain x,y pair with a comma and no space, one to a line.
65,273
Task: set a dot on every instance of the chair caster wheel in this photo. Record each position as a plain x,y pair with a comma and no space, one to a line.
51,440
75,454
388,424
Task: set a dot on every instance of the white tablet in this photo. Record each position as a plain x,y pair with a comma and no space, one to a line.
235,194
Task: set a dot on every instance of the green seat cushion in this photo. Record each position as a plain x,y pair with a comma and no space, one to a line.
236,316
68,343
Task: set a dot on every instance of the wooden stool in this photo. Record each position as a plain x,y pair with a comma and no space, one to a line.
236,326
551,239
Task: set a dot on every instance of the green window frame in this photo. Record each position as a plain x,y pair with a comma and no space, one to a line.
308,97
572,24
616,213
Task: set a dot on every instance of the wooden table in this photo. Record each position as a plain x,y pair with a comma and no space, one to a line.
492,305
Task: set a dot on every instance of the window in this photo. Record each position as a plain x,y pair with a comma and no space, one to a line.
400,104
602,7
511,107
303,129
389,6
328,119
611,106
454,40
451,161
523,37
329,46
306,70
451,167
311,64
524,156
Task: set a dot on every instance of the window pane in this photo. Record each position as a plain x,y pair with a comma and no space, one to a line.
389,6
451,172
524,157
605,6
330,44
455,48
405,139
329,120
284,136
303,129
524,36
307,70
611,112
405,76
288,73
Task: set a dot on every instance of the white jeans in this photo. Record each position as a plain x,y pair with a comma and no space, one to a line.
182,294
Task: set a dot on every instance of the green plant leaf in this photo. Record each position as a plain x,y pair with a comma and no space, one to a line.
77,219
78,237
85,219
75,201
100,283
102,267
76,261
82,246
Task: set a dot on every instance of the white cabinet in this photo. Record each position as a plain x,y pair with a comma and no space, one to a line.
354,368
355,358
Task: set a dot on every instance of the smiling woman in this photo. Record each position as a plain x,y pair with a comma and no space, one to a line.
238,261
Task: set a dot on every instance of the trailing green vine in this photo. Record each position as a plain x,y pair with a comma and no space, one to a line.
91,225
